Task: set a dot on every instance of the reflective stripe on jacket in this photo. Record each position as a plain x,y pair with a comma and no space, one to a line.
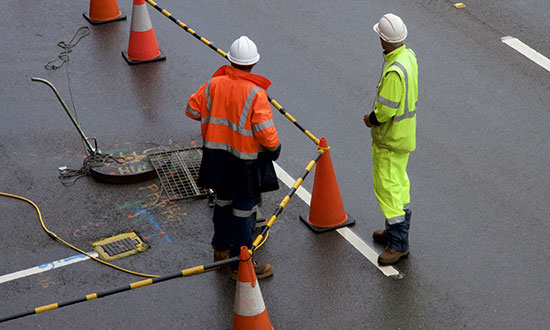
235,113
395,103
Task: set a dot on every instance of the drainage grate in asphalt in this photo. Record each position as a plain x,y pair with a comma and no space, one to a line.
178,171
119,246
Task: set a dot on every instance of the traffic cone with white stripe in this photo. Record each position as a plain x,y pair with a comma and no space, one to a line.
103,11
143,46
249,312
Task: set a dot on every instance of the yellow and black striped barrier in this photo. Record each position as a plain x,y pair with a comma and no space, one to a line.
224,54
256,244
131,286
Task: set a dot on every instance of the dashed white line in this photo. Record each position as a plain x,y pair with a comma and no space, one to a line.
346,233
527,51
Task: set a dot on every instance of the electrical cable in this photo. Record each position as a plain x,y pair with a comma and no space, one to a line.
54,236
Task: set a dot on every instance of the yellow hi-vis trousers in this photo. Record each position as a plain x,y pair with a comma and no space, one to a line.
391,182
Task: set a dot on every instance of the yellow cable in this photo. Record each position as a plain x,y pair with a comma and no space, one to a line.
52,234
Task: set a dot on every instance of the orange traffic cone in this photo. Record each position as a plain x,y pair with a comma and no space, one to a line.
326,210
103,11
249,312
142,47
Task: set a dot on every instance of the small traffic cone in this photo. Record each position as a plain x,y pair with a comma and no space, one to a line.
326,210
249,312
103,11
143,46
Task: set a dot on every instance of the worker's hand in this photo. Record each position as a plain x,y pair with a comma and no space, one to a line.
275,153
366,120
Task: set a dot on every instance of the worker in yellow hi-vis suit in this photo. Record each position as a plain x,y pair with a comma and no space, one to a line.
393,131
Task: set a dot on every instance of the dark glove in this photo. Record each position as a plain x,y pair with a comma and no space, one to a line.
275,153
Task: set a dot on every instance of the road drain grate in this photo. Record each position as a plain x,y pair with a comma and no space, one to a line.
119,246
178,171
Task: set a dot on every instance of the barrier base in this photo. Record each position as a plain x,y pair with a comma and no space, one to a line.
161,57
317,229
94,22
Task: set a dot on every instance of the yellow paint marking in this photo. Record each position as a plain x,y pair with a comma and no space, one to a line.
46,308
91,296
140,284
459,5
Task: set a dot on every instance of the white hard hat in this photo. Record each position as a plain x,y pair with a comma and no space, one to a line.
391,28
243,51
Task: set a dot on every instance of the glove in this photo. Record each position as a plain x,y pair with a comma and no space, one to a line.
275,153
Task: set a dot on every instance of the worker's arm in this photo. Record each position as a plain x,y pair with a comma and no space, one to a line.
387,101
194,106
263,125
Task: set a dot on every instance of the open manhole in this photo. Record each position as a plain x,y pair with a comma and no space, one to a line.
119,246
178,171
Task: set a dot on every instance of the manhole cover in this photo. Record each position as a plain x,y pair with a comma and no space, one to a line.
178,171
133,165
119,246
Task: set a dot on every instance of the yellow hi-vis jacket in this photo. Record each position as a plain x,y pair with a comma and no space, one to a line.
394,115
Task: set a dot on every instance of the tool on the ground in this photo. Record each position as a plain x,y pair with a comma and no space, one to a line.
95,157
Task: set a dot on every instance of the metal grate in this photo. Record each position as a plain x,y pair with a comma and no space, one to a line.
118,247
178,171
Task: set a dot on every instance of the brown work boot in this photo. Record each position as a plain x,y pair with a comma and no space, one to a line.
391,256
261,270
381,237
220,255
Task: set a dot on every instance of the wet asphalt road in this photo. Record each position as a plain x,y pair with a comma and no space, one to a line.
480,177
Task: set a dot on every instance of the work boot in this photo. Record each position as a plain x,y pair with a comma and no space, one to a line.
380,236
261,270
391,256
220,255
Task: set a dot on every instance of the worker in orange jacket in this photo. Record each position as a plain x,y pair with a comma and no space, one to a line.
239,136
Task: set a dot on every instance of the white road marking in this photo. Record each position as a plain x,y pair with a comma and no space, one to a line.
527,51
46,267
346,233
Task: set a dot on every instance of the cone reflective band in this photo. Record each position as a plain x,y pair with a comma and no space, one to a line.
103,11
142,46
326,209
249,312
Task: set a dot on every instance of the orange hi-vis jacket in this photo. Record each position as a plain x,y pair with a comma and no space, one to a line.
235,113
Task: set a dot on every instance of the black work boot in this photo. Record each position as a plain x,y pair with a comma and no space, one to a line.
380,236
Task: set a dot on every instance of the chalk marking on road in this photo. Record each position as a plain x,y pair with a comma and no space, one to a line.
46,267
527,51
346,233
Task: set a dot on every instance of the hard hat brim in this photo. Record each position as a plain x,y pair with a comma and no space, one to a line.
243,62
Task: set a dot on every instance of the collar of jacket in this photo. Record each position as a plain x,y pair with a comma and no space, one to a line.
390,57
234,73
